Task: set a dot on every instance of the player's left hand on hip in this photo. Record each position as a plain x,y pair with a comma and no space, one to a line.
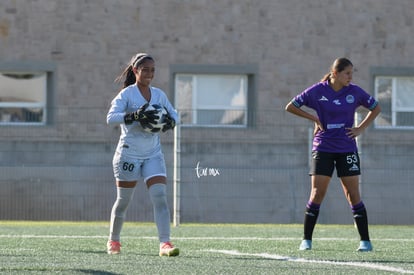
353,132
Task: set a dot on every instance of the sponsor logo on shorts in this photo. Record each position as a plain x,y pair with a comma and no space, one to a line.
354,168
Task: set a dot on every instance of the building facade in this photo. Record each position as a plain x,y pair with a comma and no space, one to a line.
243,159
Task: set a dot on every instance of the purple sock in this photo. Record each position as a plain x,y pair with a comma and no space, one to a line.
357,207
313,206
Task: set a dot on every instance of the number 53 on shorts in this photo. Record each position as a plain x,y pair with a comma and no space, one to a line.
350,159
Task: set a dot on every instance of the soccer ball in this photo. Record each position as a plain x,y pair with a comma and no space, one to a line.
159,123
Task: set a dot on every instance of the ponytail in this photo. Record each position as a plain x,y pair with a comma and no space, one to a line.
128,74
338,66
326,77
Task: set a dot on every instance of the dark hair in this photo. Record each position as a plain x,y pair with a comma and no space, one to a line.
338,66
127,74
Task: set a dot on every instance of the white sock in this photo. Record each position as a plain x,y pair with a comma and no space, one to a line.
124,196
158,195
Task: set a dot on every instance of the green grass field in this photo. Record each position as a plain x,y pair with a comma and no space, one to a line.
79,248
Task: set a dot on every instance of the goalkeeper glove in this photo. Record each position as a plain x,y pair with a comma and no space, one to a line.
169,123
142,116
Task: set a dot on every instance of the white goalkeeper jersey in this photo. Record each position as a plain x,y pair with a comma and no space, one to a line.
134,141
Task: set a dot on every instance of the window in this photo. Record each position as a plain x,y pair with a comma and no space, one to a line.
394,93
23,95
213,97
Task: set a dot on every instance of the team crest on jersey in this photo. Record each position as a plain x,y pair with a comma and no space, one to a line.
350,99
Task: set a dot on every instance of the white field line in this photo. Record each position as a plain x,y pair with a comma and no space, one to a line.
25,236
302,260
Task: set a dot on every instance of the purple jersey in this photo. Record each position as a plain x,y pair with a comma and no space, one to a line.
336,112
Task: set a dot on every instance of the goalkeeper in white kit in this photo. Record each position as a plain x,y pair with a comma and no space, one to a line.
138,155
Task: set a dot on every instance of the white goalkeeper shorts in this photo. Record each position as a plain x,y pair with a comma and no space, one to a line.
131,169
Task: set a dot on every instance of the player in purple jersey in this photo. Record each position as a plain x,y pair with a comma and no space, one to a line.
335,100
138,154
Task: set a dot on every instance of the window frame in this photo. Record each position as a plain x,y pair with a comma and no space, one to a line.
48,68
249,70
393,73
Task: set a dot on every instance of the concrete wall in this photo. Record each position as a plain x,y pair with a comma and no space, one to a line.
63,170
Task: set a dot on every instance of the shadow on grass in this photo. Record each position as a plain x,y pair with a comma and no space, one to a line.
127,253
73,271
94,272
